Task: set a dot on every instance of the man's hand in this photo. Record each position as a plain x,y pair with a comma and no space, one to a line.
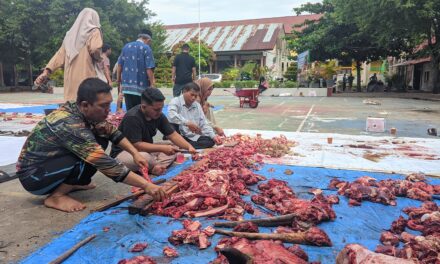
218,140
219,131
169,149
42,77
140,160
193,127
192,150
103,128
157,192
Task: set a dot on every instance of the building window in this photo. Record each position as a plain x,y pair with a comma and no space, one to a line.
426,76
282,67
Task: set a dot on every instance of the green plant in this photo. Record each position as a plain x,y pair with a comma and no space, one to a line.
329,69
58,77
291,72
231,74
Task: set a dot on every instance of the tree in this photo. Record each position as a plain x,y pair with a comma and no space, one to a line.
399,25
333,37
31,31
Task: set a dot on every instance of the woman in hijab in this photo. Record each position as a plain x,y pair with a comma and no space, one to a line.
79,54
206,87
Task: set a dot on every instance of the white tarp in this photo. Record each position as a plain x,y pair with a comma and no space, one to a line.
365,153
10,149
395,155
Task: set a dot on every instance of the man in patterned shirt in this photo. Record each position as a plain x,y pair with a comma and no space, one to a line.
135,69
67,147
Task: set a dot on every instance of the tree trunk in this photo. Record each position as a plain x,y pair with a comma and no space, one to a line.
2,80
14,69
31,81
358,75
436,73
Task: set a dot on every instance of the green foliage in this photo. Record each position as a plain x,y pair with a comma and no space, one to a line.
223,84
291,72
230,74
162,73
33,30
58,77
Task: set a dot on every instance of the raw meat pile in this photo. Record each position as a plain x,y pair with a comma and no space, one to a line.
357,254
278,197
213,187
275,147
259,252
385,191
424,248
138,260
115,118
192,234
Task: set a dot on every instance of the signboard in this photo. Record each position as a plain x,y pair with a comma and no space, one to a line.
303,60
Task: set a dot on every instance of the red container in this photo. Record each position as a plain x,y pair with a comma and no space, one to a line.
180,158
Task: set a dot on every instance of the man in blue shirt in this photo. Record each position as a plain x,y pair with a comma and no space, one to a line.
135,69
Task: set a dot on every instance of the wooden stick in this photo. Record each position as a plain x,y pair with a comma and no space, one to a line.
296,238
123,199
69,252
270,221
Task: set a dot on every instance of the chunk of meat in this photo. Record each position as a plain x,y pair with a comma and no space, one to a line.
170,252
389,239
138,260
398,226
299,252
192,234
260,251
357,254
246,227
139,247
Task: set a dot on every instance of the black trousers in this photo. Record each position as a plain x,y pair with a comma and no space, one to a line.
131,101
68,169
202,143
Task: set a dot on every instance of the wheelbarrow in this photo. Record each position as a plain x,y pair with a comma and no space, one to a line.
247,96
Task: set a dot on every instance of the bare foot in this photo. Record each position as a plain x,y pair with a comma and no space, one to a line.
158,170
63,203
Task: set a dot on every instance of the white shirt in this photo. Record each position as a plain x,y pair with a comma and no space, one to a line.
179,113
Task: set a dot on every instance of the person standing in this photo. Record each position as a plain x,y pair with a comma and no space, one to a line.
135,69
104,65
184,70
79,54
350,82
344,82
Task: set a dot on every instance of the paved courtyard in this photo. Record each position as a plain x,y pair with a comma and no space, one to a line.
25,224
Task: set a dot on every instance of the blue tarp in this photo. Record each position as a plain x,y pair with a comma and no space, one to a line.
361,224
39,109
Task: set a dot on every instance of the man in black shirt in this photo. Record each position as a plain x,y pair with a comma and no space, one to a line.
184,70
140,125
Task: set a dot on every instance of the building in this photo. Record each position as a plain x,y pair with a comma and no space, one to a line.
416,74
236,42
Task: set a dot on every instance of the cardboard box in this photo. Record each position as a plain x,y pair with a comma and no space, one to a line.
375,124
